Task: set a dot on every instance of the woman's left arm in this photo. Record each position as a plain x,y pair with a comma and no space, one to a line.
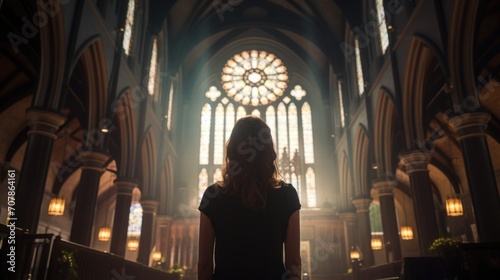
206,248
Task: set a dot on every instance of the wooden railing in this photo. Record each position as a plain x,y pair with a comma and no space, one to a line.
45,256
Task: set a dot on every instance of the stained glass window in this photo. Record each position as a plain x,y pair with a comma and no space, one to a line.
289,118
241,112
282,129
169,111
219,134
153,75
205,134
229,120
341,105
202,183
382,26
129,27
293,128
217,175
311,187
271,122
135,220
307,131
254,78
359,70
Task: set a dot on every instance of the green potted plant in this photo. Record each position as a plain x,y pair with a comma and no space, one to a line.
449,250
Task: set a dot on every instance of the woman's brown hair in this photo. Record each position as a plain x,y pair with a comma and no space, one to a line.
250,162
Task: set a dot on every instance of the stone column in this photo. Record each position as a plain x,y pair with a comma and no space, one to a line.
471,132
86,200
146,241
163,226
416,163
362,204
385,189
43,125
349,219
124,190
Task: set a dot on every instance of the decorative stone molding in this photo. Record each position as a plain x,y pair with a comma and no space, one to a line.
94,161
124,187
384,187
470,125
415,161
349,217
362,204
149,206
43,122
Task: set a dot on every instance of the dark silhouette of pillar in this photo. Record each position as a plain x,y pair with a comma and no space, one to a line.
349,219
124,190
86,200
385,190
471,132
43,125
362,204
416,163
147,228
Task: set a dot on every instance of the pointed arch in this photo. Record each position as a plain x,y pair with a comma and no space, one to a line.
95,75
385,119
148,166
346,190
361,161
422,57
125,120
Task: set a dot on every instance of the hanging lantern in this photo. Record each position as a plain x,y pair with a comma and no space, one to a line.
355,253
133,244
454,207
406,233
56,206
376,244
104,234
156,256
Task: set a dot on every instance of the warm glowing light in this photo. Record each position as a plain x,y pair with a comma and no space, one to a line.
104,234
252,77
133,244
56,206
376,244
454,207
355,253
156,256
406,233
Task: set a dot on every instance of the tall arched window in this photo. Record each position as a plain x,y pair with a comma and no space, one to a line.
129,27
153,71
359,70
256,83
341,105
135,220
382,26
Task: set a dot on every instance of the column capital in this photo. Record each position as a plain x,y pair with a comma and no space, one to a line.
164,220
44,122
362,203
470,125
348,217
94,160
149,206
125,187
415,161
384,186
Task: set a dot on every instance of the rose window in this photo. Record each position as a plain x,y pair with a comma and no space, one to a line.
254,78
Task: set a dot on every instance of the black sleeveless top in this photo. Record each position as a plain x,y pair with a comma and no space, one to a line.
249,243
